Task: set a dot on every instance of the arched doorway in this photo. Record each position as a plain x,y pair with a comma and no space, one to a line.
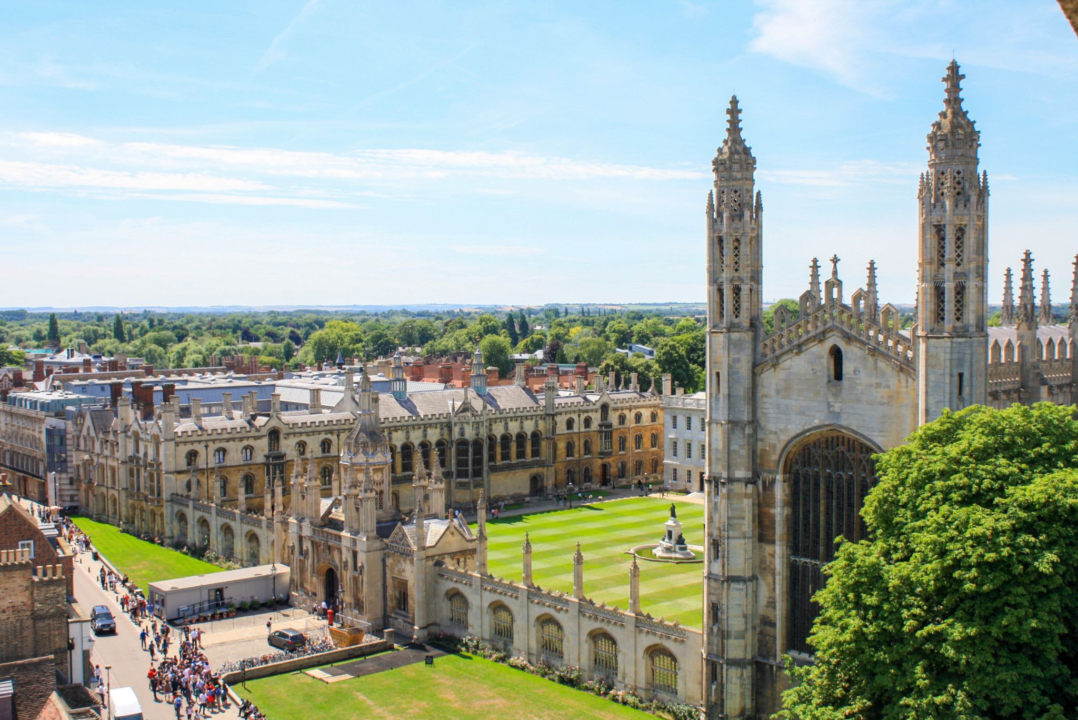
329,588
536,485
254,549
829,476
604,474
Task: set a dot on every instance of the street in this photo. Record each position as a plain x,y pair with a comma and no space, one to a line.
122,651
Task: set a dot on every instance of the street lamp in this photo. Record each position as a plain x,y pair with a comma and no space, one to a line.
108,680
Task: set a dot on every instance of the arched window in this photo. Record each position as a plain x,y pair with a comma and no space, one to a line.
654,465
604,658
503,623
621,471
829,479
440,448
274,440
458,610
664,672
551,640
638,418
463,461
587,475
326,447
604,413
248,484
248,453
537,445
192,458
506,444
327,476
477,458
638,468
570,476
570,449
570,424
621,443
522,446
301,449
406,458
492,450
621,419
587,423
424,450
638,442
587,448
654,416
836,363
222,483
654,440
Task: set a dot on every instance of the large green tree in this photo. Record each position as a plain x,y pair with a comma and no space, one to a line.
496,351
118,328
964,603
54,331
670,357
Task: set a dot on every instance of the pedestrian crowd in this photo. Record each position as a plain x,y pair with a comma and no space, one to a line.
185,681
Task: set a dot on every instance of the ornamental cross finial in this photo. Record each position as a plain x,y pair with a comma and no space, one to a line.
834,265
953,80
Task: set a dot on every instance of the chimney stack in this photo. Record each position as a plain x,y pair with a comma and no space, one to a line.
196,411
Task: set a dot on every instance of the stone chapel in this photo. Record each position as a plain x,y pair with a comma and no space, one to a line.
794,416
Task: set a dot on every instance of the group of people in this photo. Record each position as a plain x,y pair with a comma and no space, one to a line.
186,681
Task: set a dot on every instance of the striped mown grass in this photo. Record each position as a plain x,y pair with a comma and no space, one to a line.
605,532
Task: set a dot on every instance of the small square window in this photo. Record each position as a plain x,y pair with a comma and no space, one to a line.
27,545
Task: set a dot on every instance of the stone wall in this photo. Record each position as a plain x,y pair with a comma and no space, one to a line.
638,638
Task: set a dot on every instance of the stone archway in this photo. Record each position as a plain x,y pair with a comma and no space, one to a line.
181,527
203,526
828,473
254,548
535,485
330,587
228,542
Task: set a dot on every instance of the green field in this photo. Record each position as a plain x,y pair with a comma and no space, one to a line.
143,562
458,686
605,531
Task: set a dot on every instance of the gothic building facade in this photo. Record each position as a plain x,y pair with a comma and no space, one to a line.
794,416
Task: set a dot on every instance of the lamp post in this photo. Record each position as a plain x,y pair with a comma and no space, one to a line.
108,680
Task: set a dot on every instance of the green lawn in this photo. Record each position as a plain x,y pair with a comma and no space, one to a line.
606,531
458,686
142,561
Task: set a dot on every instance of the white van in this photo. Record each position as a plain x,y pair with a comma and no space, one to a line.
123,705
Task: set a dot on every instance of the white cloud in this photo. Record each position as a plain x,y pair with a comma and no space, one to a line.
854,172
58,139
258,200
34,174
497,250
274,52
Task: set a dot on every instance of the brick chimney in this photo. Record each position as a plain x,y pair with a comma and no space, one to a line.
113,365
39,370
168,391
87,365
148,369
492,376
415,372
116,391
552,370
579,385
146,401
445,372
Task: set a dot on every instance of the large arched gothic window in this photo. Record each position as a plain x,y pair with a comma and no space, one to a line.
829,478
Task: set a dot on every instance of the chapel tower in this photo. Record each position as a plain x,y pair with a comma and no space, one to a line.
734,269
952,300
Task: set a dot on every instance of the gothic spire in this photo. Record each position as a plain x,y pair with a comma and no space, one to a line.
871,291
1008,299
953,138
733,122
1072,316
734,161
1046,301
814,279
1025,294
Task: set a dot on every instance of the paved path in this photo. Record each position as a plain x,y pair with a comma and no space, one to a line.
122,651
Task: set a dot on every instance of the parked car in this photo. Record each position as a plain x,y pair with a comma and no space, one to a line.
289,640
101,620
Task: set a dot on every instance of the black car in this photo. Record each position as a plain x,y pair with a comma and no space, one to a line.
289,640
101,620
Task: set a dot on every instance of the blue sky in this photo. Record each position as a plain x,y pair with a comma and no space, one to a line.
332,152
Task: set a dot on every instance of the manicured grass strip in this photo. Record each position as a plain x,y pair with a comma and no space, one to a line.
143,562
605,531
458,686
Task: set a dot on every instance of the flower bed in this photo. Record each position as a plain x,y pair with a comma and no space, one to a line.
571,676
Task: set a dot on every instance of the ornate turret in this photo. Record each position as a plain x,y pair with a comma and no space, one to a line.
1008,299
527,560
397,384
578,573
479,373
872,295
366,439
1045,316
952,301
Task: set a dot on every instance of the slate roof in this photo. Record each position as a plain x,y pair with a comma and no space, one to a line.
1044,334
501,397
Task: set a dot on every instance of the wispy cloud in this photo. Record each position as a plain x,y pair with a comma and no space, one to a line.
58,139
34,174
497,250
275,52
855,172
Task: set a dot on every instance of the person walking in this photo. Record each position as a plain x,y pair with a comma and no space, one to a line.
142,638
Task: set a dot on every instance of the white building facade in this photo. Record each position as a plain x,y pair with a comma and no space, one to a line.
684,466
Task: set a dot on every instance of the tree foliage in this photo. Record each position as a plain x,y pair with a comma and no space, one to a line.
963,605
496,350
